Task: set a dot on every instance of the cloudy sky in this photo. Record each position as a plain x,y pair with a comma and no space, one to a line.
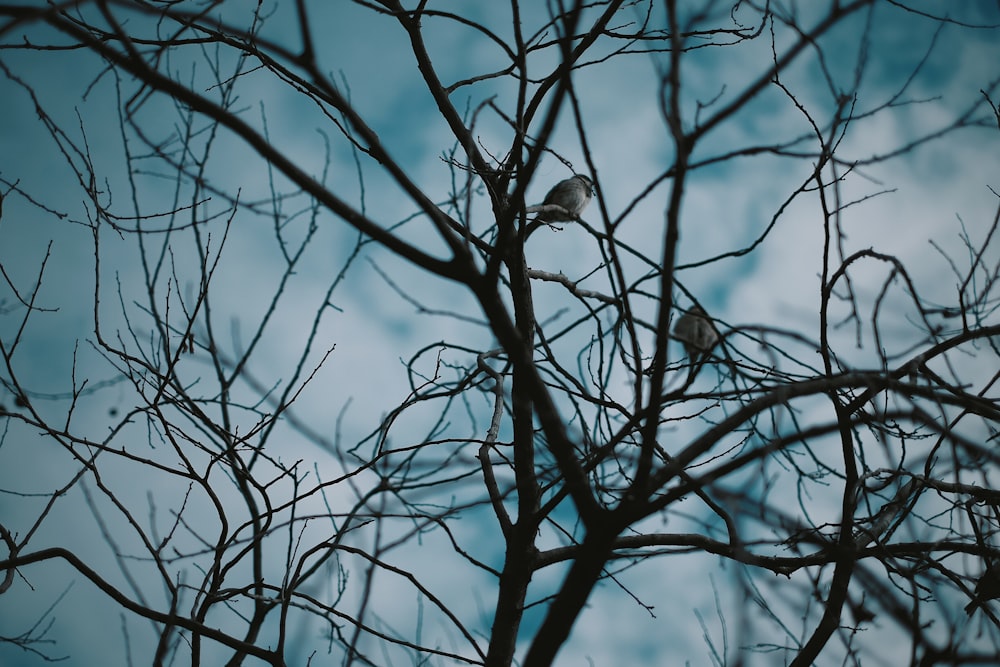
919,75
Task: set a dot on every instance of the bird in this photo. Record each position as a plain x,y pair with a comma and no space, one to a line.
571,195
988,588
696,332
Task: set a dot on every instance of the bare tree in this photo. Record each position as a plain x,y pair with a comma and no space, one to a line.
226,461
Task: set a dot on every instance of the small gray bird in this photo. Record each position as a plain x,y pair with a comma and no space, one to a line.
696,332
572,195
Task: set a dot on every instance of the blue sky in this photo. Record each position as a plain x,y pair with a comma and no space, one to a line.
927,194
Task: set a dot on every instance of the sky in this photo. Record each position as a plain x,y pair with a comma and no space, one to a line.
938,192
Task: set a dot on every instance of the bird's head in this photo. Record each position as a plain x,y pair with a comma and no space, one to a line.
589,184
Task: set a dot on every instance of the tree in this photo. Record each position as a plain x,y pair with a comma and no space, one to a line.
301,376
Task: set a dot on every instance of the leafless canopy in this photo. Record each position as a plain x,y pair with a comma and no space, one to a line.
292,373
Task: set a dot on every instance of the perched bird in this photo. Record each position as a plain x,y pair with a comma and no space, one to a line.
988,588
572,195
696,332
